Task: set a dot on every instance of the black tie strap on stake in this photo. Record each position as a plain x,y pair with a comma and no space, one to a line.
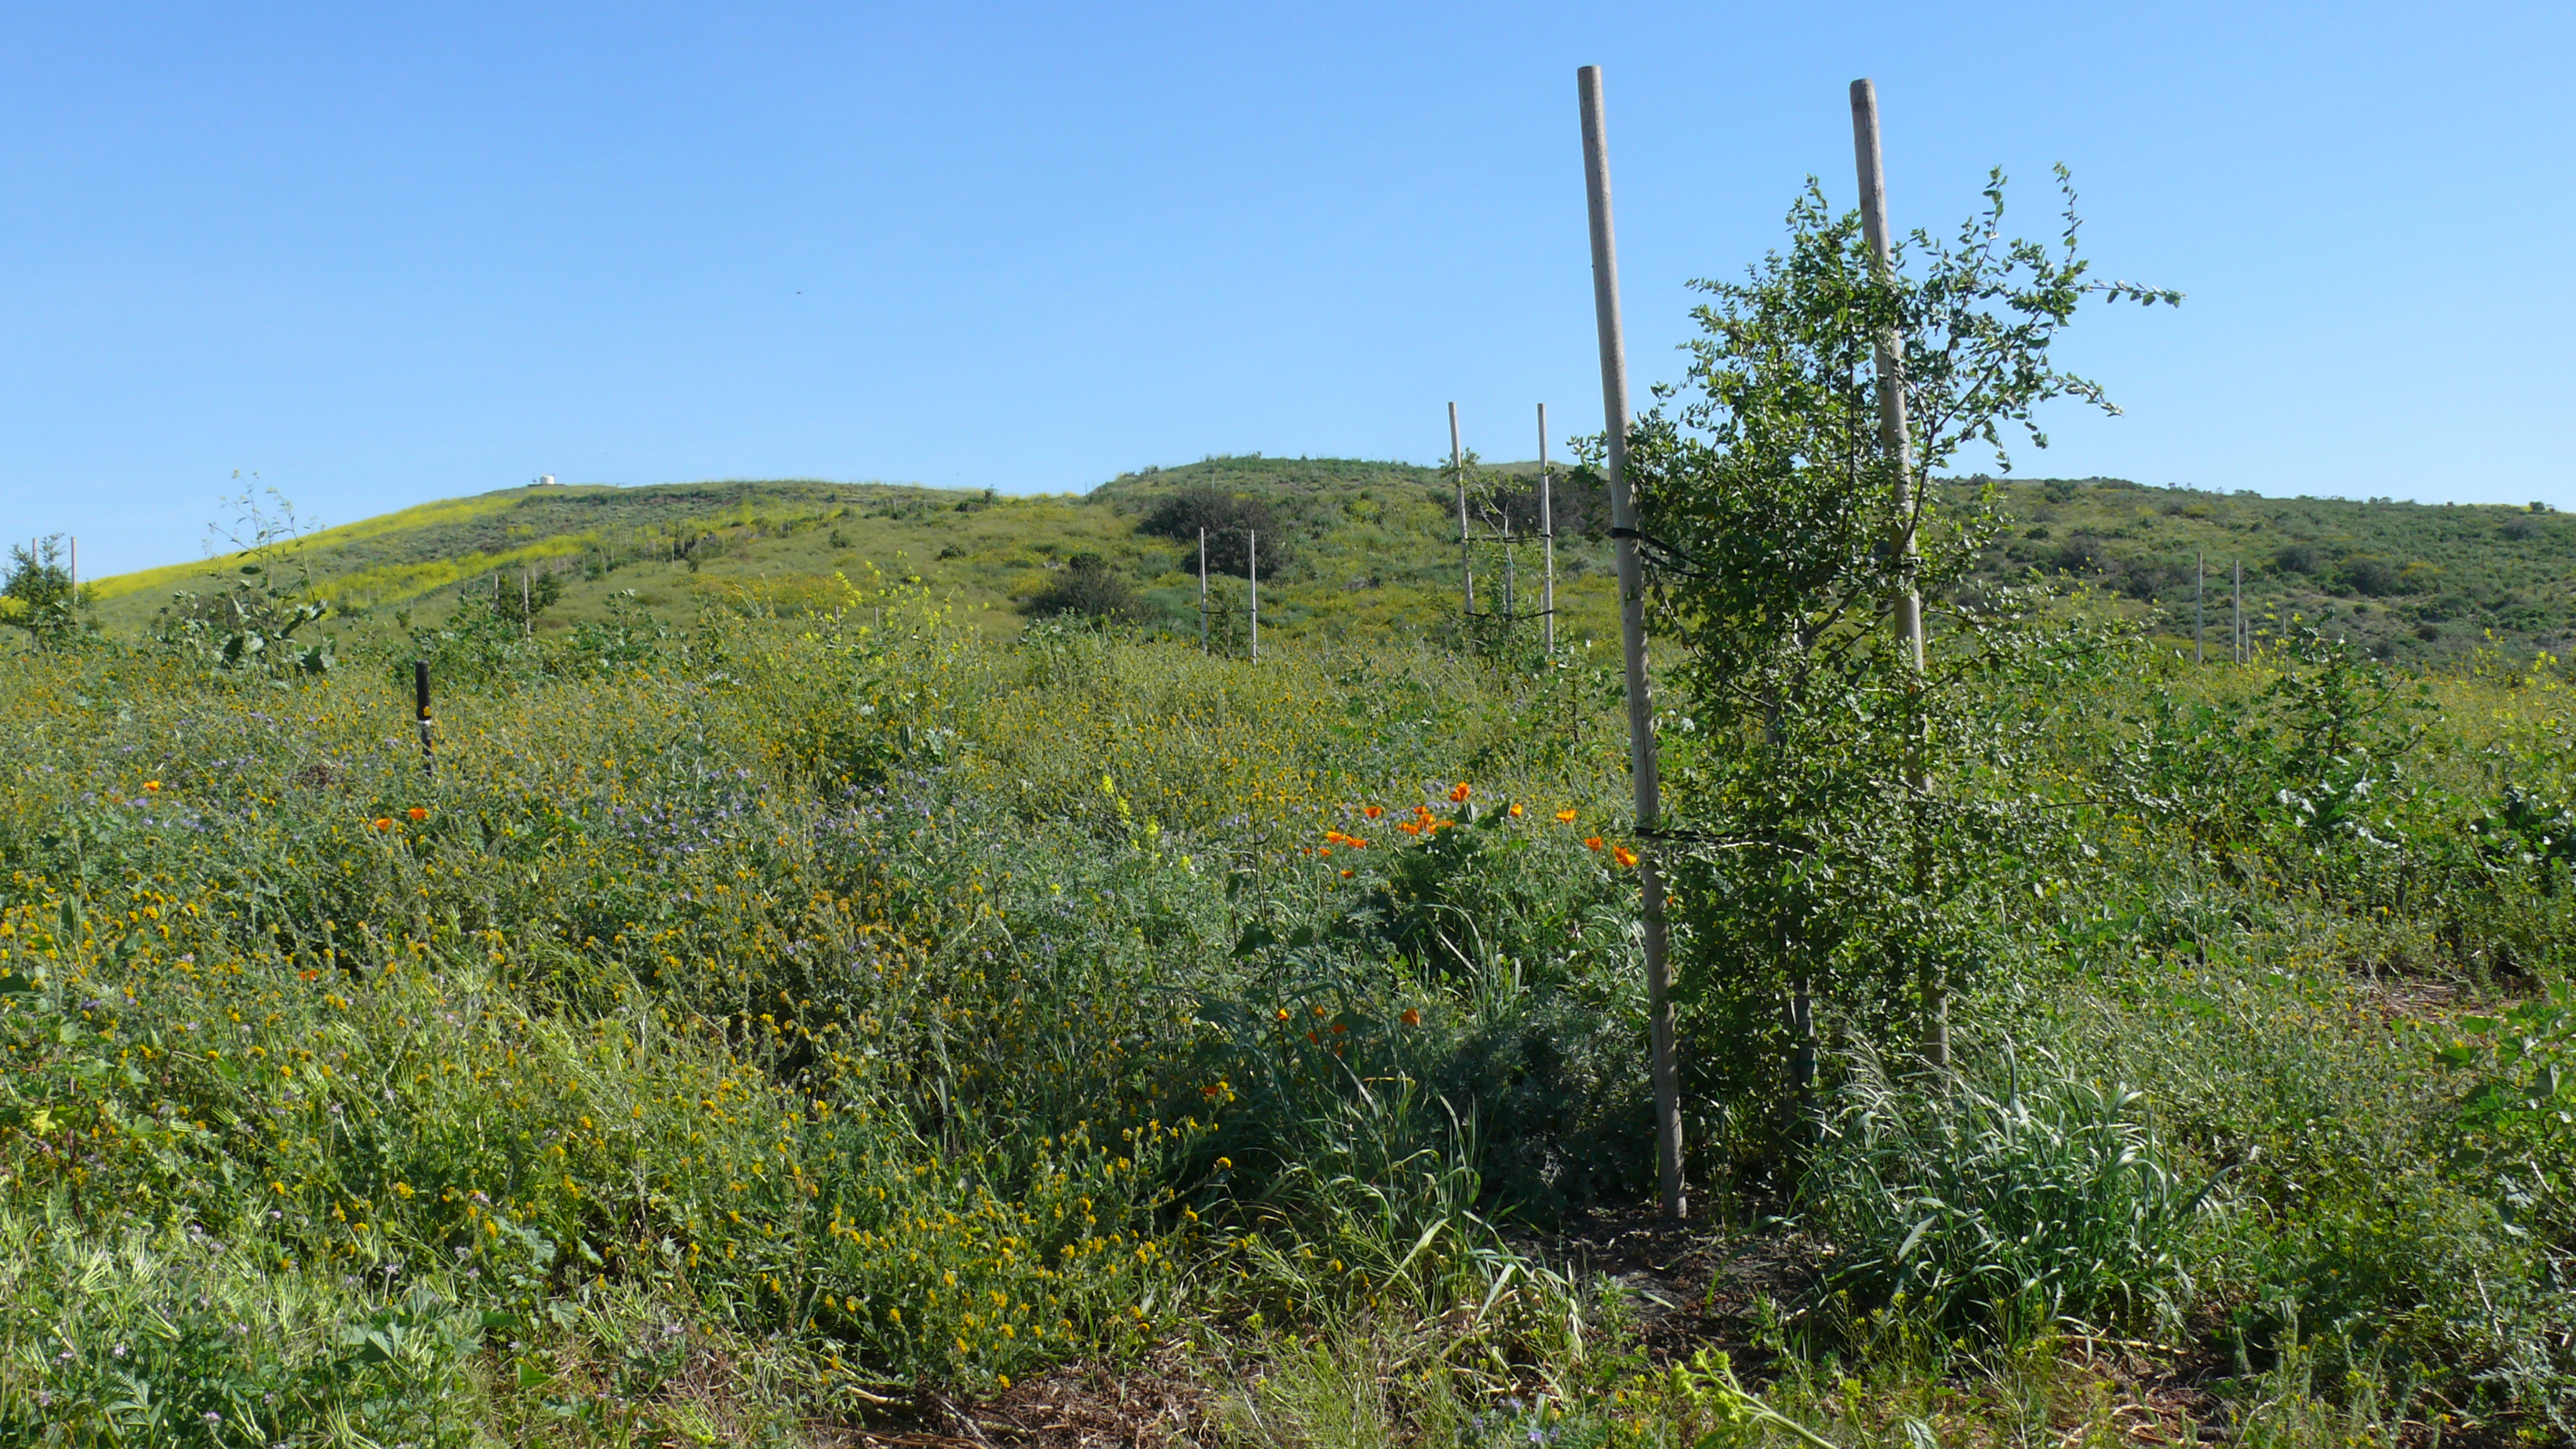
1674,558
1692,837
420,703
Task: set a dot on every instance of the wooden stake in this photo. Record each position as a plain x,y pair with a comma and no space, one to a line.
1458,470
1898,440
1643,773
1547,530
2236,628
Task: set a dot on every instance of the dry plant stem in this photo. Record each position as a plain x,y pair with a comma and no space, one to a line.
1899,443
1643,770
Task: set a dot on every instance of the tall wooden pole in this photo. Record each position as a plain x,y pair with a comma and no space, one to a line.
1547,528
1252,576
2236,626
1643,773
2199,587
1898,441
1203,619
1466,565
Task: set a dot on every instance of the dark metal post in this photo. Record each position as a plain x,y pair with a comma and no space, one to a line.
420,711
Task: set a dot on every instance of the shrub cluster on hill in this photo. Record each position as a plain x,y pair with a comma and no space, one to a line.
1235,527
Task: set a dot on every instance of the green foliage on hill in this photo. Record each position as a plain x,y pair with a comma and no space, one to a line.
1363,551
2417,583
1372,554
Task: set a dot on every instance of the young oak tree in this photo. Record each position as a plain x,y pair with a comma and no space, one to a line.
39,596
1847,800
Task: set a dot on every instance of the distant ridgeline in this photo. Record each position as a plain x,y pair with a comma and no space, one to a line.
2406,581
1355,550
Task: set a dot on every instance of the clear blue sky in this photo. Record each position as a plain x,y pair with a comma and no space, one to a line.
383,254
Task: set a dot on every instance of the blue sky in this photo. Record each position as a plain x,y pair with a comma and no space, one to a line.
382,254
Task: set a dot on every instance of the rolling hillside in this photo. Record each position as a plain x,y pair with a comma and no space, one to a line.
1366,549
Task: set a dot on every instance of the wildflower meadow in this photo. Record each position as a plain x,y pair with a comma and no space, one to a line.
760,1026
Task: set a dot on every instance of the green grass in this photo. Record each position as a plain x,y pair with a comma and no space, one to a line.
1375,556
1366,538
832,1003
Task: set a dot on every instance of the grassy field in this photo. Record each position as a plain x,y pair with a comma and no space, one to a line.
796,1009
1365,540
1372,555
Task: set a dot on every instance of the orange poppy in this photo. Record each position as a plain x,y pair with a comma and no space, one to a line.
1409,827
151,784
1565,817
1372,811
417,813
1592,842
1460,791
385,823
1516,810
1624,855
1411,1017
1346,875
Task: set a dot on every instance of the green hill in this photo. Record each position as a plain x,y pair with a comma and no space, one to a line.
1369,549
1364,549
2409,581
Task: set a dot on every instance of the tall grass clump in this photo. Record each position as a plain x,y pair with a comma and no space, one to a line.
2012,1200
